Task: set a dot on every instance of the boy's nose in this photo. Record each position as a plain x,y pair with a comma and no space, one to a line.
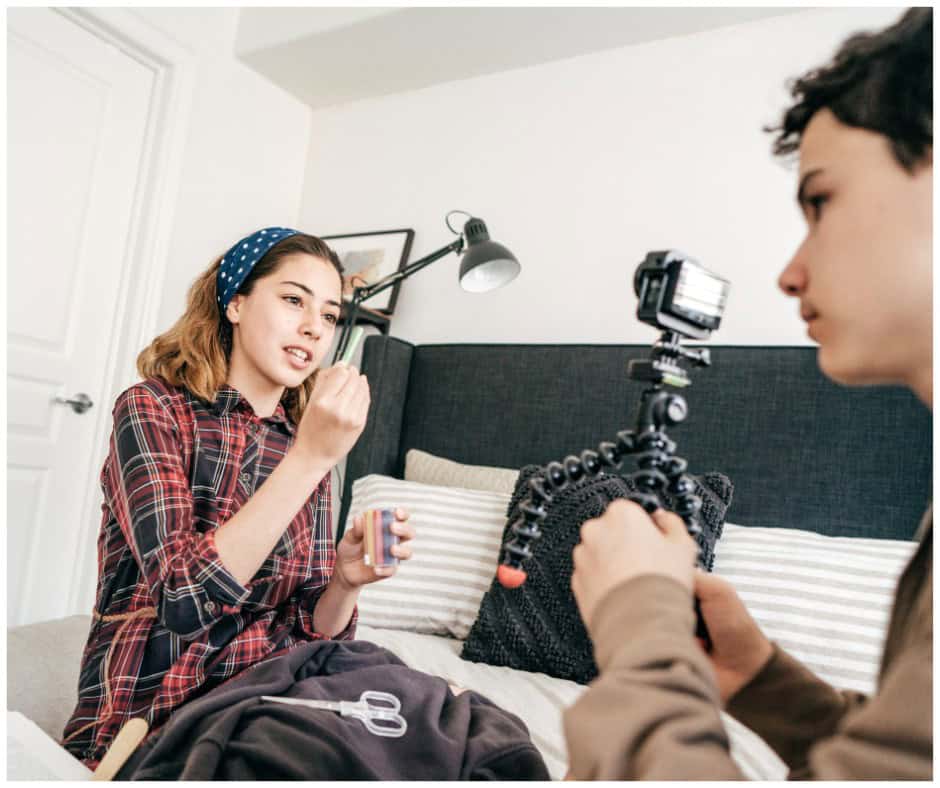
792,279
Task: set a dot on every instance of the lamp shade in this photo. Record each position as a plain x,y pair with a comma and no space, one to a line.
486,264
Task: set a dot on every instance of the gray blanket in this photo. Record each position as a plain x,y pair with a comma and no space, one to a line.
231,734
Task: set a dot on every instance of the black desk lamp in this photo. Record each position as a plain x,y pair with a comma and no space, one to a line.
485,266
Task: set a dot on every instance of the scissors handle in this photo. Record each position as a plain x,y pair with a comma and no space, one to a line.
383,723
378,711
380,701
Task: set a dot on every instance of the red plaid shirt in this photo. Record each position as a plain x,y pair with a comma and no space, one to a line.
170,621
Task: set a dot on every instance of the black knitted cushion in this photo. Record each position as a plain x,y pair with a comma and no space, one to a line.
537,627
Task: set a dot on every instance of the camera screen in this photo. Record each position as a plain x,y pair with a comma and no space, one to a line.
699,291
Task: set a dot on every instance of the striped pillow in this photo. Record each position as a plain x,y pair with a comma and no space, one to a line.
826,600
456,550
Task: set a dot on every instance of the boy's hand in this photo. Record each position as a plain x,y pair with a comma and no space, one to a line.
739,648
626,542
350,570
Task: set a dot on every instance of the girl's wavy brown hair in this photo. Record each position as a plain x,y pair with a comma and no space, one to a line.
195,352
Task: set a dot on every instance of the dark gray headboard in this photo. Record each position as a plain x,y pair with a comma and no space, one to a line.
802,452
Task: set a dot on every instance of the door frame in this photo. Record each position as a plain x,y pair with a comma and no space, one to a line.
146,254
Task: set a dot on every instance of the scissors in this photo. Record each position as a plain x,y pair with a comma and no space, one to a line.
373,708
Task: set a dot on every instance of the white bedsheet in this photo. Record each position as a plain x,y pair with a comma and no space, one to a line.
539,699
535,698
32,754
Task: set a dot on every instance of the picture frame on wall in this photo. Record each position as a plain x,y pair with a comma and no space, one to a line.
369,257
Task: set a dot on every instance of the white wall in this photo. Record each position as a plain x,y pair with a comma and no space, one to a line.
244,161
581,166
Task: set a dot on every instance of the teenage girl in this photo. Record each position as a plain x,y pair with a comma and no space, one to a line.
216,545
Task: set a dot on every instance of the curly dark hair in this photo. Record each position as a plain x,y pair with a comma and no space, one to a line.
879,81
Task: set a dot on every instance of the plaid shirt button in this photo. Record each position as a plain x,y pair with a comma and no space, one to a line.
245,478
209,607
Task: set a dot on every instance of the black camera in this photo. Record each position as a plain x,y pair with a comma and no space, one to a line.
677,294
683,300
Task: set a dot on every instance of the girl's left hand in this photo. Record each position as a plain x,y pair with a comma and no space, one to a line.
350,570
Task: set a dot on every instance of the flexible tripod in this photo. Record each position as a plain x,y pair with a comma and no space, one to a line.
659,470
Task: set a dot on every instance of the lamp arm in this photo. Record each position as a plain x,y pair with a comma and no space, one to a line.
360,294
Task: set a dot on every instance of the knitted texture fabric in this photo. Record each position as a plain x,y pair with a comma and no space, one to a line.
537,627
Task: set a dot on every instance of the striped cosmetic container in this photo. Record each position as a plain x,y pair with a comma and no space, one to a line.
379,538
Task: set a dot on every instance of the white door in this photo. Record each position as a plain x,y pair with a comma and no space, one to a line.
76,118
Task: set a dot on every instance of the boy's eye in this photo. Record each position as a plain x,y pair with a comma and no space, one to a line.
815,204
331,318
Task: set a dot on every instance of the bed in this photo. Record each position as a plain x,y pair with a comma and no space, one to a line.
829,485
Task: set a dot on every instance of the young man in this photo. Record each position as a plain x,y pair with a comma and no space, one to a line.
863,128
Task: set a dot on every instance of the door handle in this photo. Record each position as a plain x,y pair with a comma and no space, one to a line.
79,403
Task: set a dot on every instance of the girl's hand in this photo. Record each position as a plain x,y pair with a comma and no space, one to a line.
351,572
335,415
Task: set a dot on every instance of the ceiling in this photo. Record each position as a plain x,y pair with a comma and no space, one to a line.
331,56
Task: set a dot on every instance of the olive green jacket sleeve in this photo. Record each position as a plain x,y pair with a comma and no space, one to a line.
791,708
653,712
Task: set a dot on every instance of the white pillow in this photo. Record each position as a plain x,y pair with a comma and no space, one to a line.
420,466
826,600
456,550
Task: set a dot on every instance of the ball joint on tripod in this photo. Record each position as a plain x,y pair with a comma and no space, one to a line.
659,471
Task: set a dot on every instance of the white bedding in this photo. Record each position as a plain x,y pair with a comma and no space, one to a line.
539,699
534,697
825,599
32,754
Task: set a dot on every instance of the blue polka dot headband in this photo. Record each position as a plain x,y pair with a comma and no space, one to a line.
241,258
